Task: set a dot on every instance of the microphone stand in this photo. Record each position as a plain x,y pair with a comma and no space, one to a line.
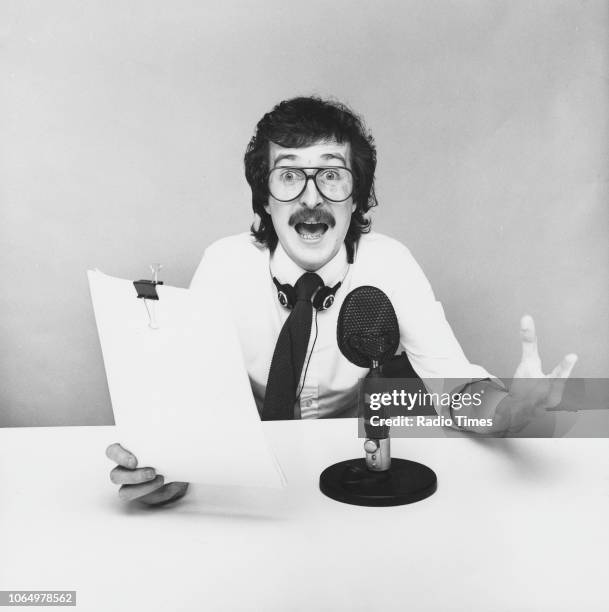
376,479
377,445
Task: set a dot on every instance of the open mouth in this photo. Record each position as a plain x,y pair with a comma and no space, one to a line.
311,231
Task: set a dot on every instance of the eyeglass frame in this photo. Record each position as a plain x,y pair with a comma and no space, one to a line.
312,177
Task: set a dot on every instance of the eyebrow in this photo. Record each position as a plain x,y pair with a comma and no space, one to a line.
292,157
334,156
288,156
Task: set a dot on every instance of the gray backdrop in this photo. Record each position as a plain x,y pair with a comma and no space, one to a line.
123,127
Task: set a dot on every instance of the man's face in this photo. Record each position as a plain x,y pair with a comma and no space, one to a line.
311,228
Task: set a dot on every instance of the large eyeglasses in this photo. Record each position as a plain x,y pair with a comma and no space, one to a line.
334,183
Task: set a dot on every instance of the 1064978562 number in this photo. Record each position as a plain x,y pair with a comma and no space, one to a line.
37,598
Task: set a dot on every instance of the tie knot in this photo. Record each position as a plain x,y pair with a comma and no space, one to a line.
306,286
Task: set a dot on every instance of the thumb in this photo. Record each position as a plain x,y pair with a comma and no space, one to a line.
558,379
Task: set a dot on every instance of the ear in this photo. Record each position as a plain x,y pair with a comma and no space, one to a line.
267,208
353,207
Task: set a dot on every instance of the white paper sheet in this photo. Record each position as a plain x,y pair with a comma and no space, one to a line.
180,393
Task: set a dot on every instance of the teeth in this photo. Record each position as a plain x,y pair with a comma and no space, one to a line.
309,233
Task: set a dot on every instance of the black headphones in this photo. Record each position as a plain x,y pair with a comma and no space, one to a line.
322,299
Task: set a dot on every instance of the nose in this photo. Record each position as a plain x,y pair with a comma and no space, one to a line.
311,197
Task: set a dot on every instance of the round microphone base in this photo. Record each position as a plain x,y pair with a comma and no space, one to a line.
351,482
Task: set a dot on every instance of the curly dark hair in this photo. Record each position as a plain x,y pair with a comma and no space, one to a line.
301,122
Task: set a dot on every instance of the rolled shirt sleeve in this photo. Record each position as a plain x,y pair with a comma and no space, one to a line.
425,334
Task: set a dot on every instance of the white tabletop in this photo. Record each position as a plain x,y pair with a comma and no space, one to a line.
519,524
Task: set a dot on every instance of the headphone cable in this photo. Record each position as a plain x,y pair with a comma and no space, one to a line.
310,355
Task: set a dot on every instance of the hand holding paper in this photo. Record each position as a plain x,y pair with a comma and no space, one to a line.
141,484
180,393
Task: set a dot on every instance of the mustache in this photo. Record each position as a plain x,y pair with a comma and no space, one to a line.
312,216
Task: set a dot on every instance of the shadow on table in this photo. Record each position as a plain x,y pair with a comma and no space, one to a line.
249,503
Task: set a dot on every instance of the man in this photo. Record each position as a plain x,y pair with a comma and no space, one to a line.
310,166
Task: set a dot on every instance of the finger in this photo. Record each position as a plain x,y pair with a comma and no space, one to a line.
169,493
558,378
563,369
120,475
121,455
131,492
528,338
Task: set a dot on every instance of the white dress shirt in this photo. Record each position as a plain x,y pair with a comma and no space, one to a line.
238,272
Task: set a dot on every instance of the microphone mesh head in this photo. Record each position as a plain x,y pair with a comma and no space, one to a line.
367,327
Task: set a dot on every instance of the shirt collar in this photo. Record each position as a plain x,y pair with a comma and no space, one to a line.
286,270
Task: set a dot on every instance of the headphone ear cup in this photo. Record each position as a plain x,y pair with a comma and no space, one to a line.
328,302
285,294
283,298
324,298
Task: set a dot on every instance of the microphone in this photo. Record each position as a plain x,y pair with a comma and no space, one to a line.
368,335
